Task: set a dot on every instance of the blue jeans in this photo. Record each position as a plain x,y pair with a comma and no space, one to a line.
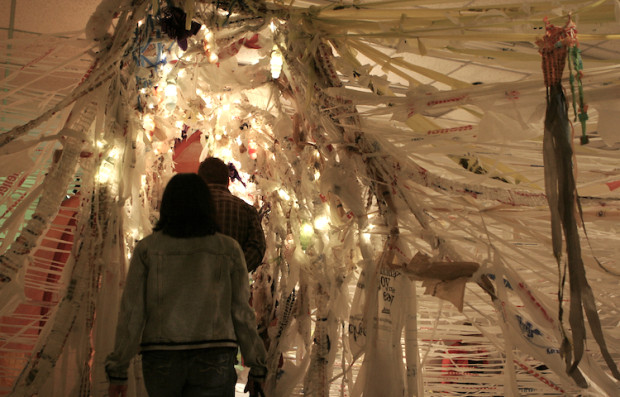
190,373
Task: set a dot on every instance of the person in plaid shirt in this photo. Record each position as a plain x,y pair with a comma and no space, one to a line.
235,217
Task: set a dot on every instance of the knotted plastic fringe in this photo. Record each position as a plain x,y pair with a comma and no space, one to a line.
562,197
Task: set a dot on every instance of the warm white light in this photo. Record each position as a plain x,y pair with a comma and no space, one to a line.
276,62
213,58
321,223
317,175
225,153
178,124
284,195
307,229
305,235
171,90
272,26
148,123
105,173
114,153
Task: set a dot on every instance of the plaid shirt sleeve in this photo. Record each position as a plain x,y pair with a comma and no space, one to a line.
254,247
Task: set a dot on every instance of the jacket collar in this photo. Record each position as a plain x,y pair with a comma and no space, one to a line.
218,187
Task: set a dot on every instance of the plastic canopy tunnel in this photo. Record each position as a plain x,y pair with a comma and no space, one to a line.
439,185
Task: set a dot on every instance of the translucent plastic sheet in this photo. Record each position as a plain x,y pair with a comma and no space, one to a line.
358,158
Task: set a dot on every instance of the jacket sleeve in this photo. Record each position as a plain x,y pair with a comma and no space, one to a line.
254,247
244,319
131,319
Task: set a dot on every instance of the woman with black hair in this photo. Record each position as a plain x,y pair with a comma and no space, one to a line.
185,304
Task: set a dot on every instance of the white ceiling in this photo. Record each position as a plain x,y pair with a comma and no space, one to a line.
22,18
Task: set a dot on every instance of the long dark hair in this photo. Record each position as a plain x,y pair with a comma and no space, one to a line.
187,208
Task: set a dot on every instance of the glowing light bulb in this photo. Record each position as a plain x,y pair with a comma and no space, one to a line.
171,89
321,223
114,153
252,149
148,123
170,102
306,233
225,153
284,195
276,62
104,173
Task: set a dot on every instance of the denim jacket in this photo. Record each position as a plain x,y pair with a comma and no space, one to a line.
186,293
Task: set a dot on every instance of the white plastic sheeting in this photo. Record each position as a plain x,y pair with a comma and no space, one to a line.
396,128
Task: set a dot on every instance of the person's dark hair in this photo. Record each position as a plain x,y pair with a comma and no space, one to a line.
214,170
187,208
